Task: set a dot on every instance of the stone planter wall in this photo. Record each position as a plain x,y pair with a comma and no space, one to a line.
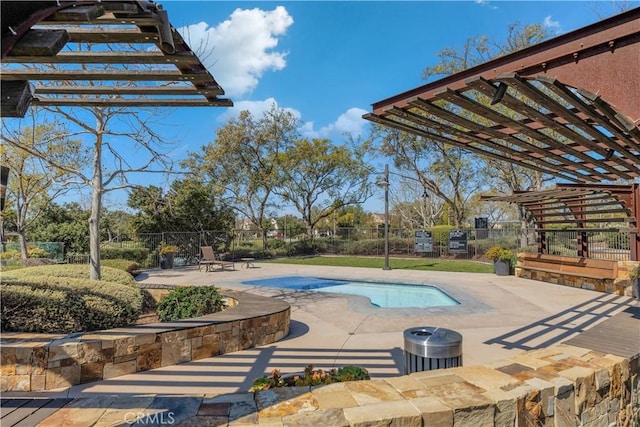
37,362
561,386
620,286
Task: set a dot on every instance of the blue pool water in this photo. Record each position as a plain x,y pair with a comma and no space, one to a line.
386,295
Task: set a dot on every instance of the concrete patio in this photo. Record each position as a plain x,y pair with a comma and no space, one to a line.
499,317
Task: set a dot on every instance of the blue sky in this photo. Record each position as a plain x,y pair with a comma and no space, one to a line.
329,61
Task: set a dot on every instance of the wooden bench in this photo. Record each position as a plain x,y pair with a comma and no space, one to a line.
569,266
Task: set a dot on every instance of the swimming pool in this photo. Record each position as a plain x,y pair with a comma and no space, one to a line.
386,295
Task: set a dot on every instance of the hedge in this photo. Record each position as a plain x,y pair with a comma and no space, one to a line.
138,255
120,264
50,304
80,271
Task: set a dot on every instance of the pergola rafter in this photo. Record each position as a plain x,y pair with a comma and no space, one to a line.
93,53
567,107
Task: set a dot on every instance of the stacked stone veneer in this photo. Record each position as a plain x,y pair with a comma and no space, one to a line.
36,362
619,286
558,386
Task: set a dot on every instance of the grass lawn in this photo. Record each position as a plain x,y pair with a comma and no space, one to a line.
395,263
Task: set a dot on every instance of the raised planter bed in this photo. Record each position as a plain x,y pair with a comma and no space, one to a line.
37,362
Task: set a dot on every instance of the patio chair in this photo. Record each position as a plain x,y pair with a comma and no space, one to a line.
210,259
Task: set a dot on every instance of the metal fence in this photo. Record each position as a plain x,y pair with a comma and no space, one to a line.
53,250
611,245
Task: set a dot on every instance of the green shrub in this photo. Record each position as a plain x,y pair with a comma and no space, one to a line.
275,243
138,255
310,377
51,250
441,234
167,249
36,252
186,302
10,254
50,304
483,245
120,264
246,252
32,252
303,247
499,253
108,274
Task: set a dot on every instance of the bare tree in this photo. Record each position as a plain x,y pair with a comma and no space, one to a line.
34,184
414,206
104,132
448,173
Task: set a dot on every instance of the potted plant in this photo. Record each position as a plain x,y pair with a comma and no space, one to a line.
502,259
167,252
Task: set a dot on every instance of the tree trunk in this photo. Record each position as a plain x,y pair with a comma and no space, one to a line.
524,227
23,244
265,243
94,235
94,219
21,211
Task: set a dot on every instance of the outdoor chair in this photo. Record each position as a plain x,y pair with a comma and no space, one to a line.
210,259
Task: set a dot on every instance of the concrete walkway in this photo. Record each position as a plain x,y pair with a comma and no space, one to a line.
498,317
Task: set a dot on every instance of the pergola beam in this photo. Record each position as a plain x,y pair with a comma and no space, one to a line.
57,44
123,102
77,14
91,57
110,75
112,35
127,90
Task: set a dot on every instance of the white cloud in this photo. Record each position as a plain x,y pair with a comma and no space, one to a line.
551,24
486,3
239,50
256,108
349,122
307,130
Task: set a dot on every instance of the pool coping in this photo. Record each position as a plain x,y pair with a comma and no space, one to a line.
467,304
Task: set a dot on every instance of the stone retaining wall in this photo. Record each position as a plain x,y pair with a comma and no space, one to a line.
558,386
619,286
37,362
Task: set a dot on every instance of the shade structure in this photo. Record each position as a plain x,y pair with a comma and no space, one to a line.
567,107
545,107
92,53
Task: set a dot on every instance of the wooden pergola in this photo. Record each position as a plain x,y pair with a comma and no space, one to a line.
567,107
98,53
581,209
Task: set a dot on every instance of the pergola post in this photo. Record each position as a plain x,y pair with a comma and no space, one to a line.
582,243
634,236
